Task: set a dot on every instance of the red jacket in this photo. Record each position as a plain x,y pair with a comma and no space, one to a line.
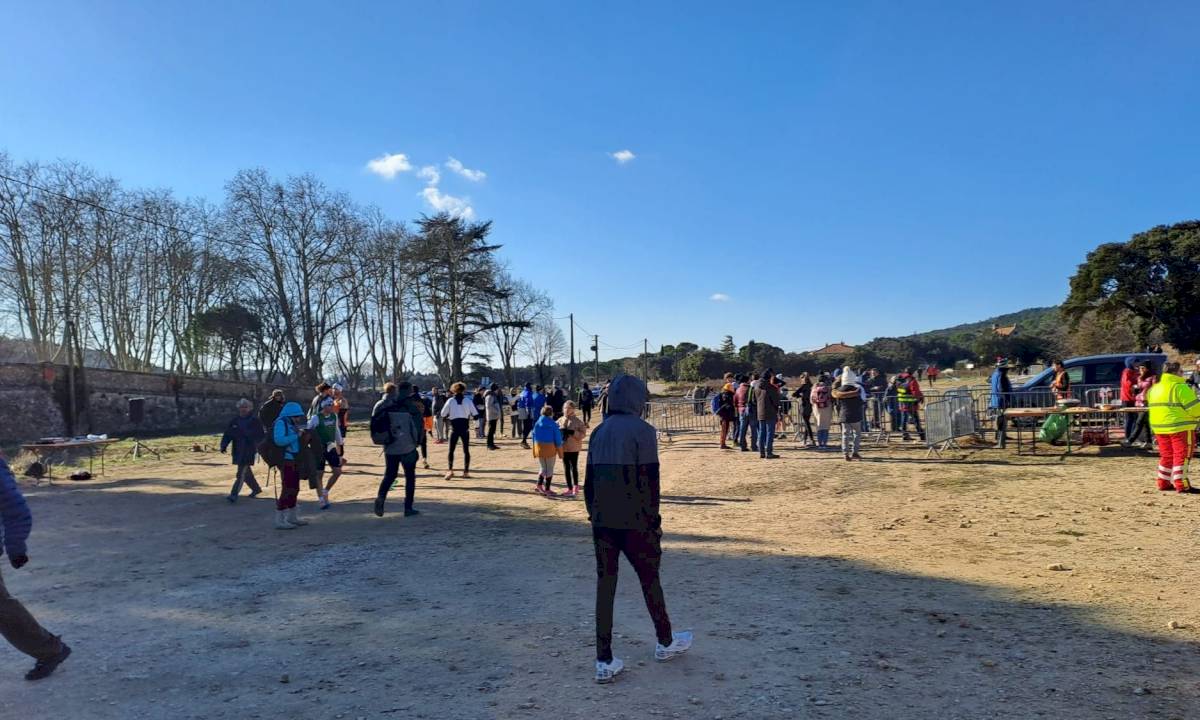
741,398
1129,378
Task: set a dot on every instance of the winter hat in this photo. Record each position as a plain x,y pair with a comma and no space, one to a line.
848,376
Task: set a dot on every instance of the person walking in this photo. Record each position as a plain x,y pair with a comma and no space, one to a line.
547,447
322,390
286,434
404,435
876,385
1001,392
459,410
1174,414
325,428
931,373
514,413
891,403
768,400
426,406
244,433
621,491
851,398
480,399
741,404
822,402
725,412
574,430
493,410
17,625
586,401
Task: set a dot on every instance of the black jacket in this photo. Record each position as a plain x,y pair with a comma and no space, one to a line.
621,483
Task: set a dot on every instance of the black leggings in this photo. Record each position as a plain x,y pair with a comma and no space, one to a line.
571,469
808,433
491,435
587,414
460,429
526,428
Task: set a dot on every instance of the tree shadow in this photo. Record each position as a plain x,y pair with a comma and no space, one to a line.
471,611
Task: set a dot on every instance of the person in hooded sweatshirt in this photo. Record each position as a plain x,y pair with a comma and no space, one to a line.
525,413
287,435
406,433
547,447
459,410
621,491
244,432
852,401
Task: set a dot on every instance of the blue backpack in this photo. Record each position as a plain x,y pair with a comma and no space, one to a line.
716,403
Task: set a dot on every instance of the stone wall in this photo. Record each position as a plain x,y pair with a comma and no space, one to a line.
35,401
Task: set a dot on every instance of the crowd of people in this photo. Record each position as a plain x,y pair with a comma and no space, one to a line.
752,409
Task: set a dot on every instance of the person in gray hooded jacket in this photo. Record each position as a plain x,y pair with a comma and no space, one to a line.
406,430
621,489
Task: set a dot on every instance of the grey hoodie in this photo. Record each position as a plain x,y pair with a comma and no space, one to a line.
621,484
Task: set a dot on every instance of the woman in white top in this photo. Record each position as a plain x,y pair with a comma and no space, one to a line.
459,410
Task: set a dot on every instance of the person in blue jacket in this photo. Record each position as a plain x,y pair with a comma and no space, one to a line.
245,432
998,400
16,624
287,435
525,409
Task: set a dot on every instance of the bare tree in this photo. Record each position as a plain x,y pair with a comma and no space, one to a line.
545,345
512,314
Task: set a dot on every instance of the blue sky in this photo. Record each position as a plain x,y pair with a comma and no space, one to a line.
838,171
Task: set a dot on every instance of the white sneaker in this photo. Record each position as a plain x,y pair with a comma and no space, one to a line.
281,522
295,519
681,643
606,672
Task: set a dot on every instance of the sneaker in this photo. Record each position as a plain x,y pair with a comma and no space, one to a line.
550,493
45,668
1188,491
681,643
466,475
378,507
255,494
540,489
606,672
232,498
856,456
409,512
772,456
846,456
325,504
426,464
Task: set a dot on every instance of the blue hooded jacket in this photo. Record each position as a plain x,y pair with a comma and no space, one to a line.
14,513
525,399
545,430
1001,389
621,483
284,434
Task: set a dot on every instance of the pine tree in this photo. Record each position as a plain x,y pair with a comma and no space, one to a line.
728,349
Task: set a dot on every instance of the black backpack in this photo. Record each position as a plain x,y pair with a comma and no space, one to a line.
381,425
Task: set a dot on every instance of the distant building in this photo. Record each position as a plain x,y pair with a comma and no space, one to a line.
1004,331
838,349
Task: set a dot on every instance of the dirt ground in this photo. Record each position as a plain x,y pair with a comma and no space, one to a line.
898,587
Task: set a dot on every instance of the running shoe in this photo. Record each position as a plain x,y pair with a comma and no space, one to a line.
681,643
606,672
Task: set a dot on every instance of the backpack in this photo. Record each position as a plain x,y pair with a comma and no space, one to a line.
715,403
381,425
821,395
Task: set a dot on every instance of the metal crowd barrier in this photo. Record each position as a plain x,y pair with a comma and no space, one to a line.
948,419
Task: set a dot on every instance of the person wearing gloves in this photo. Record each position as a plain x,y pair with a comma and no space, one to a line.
459,410
17,626
326,429
286,434
405,434
621,490
852,401
547,447
245,432
1174,414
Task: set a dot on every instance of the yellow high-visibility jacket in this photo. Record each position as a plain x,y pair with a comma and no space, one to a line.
1173,405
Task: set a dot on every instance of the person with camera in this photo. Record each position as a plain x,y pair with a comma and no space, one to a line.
17,625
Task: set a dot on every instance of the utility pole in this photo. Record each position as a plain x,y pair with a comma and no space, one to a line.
571,384
596,349
646,361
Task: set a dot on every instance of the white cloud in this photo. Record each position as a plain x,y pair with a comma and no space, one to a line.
719,297
457,167
441,202
430,174
388,166
622,156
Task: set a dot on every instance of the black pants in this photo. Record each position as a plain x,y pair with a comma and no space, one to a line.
1143,425
808,431
392,469
571,469
643,549
587,414
460,429
491,435
424,447
526,428
1001,428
